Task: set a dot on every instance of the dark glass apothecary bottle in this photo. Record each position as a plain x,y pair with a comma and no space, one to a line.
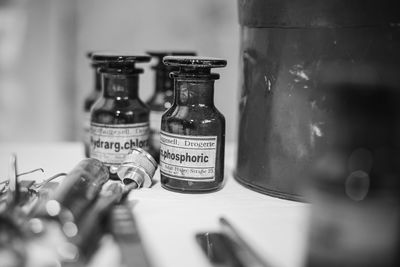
119,119
193,130
89,101
163,95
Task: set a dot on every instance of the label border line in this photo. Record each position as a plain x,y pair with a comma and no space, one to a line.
120,126
193,179
117,136
191,148
188,167
203,137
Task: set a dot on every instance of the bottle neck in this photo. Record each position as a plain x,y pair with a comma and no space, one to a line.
120,85
194,92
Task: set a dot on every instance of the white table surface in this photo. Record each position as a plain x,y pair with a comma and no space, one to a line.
168,221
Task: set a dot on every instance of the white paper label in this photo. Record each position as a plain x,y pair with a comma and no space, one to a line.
111,143
189,158
155,125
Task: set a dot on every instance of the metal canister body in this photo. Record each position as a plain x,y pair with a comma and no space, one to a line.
286,46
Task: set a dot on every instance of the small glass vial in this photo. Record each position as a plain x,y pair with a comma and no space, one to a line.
163,96
192,131
89,101
119,119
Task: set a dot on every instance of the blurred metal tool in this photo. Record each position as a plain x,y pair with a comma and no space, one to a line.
88,231
218,249
12,243
65,222
24,192
111,209
136,171
35,187
5,182
228,249
126,234
12,249
243,249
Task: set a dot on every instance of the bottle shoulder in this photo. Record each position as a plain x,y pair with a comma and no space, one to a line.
112,111
194,113
120,104
193,121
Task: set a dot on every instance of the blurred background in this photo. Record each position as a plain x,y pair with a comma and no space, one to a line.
45,75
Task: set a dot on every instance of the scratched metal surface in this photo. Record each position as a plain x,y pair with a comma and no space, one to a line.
285,56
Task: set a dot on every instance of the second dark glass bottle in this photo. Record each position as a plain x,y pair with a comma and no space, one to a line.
119,119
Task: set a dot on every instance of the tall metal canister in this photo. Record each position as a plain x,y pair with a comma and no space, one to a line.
286,46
